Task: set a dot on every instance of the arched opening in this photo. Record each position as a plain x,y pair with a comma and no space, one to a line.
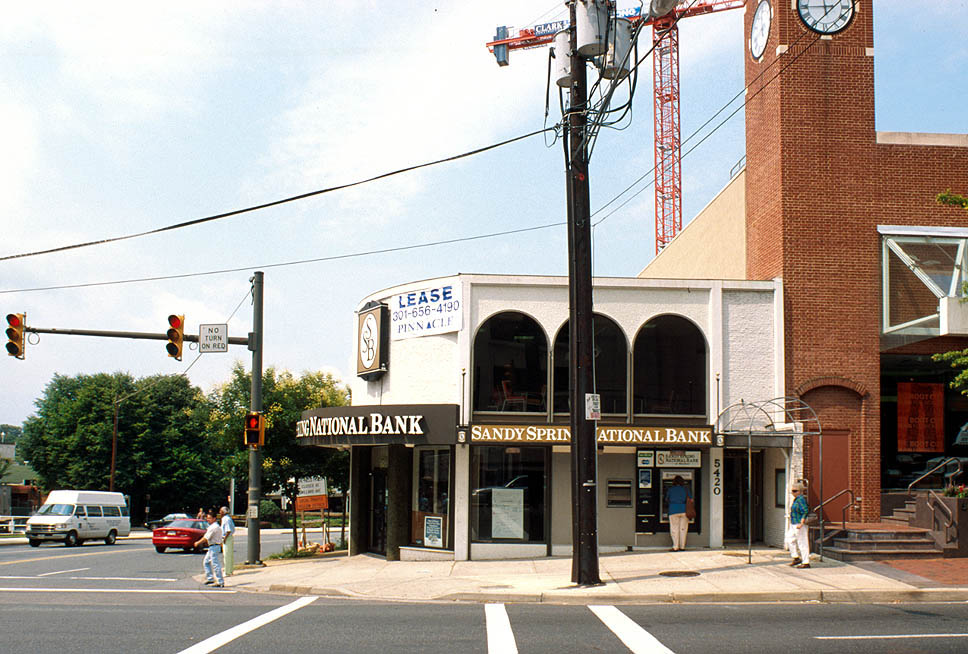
669,368
510,364
611,366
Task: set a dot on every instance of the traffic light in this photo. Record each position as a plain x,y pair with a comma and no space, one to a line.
176,336
15,334
255,429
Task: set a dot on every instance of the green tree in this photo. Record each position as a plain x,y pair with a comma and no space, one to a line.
160,449
284,398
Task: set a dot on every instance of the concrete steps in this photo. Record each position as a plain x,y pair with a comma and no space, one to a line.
877,543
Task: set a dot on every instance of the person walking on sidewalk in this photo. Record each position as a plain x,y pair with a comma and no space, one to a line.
212,564
678,522
798,533
228,539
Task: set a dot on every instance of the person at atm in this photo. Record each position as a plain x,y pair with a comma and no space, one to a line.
678,522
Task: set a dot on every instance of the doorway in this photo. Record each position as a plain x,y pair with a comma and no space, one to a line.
378,511
737,507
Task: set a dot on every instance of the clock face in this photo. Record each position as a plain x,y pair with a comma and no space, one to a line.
760,30
826,16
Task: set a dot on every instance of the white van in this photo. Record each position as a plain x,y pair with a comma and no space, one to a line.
74,516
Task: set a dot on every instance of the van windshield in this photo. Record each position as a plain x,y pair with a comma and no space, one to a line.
56,509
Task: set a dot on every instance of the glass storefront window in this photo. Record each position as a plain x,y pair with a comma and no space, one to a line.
669,368
431,502
510,364
508,498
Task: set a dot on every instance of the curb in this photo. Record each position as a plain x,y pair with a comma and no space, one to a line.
932,595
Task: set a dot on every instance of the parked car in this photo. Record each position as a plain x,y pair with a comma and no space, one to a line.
180,533
171,517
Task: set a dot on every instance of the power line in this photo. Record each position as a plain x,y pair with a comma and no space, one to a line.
301,196
335,257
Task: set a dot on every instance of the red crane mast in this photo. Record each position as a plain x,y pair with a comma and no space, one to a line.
665,76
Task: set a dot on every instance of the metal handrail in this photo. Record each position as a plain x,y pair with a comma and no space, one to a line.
943,464
934,501
854,501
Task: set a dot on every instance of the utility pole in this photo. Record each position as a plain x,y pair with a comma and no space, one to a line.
584,568
255,404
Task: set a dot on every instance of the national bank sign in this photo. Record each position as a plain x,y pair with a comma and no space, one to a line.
379,425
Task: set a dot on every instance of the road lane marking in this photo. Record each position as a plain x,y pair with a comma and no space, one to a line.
95,578
125,578
115,590
125,550
890,636
500,638
629,632
227,636
60,572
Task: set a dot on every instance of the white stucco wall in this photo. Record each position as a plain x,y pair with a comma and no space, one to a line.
737,318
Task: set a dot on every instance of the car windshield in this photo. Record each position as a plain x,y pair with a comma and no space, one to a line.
184,524
56,509
174,516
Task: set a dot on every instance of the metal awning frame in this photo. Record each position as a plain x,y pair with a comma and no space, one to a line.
780,416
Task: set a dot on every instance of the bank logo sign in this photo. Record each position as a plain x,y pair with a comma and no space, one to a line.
371,342
433,310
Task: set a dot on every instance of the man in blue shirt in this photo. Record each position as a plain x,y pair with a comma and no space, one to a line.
678,522
228,538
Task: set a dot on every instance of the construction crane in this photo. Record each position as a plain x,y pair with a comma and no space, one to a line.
665,75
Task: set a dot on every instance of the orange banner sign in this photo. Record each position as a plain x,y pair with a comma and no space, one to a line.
920,417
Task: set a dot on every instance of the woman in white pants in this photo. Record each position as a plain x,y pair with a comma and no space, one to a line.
798,533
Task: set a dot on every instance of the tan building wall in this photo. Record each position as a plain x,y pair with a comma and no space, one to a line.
712,245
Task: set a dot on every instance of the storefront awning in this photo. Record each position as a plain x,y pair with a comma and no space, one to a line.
767,423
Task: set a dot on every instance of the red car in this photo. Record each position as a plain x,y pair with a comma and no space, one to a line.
180,533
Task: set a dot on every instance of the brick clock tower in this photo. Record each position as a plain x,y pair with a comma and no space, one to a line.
810,141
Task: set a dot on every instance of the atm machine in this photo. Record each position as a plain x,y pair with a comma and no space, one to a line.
655,472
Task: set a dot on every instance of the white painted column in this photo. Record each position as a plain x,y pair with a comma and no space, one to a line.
714,495
461,504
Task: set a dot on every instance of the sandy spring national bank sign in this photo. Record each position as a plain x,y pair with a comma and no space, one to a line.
671,436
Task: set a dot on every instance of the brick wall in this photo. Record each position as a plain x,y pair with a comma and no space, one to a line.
818,184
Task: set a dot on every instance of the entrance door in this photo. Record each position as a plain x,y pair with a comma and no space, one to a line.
836,457
378,511
736,496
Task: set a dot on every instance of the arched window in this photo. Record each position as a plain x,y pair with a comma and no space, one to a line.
510,364
611,365
669,368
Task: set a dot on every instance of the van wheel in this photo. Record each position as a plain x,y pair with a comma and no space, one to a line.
70,540
160,549
111,538
34,542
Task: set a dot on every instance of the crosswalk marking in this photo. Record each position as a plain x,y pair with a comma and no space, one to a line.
213,643
637,639
500,638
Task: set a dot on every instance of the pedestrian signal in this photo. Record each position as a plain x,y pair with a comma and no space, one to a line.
176,336
255,429
15,335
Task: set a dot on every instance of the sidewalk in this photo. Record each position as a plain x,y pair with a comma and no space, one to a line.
700,575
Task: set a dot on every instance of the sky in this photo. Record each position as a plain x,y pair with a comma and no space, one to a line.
118,118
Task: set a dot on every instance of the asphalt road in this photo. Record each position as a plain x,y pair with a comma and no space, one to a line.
128,598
